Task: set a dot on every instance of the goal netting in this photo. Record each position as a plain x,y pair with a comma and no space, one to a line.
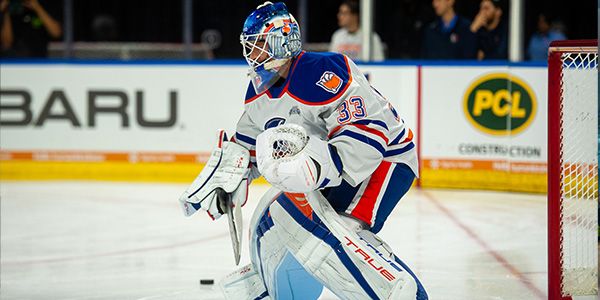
573,169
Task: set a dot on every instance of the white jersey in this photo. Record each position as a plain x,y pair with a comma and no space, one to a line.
328,95
350,44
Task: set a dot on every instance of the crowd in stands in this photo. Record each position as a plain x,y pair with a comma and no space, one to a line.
451,36
27,28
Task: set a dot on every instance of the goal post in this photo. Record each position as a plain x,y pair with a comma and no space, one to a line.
573,169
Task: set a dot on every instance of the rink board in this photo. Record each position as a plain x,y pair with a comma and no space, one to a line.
113,166
484,127
156,121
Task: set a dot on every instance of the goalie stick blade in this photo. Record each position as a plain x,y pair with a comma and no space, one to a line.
236,222
234,217
234,233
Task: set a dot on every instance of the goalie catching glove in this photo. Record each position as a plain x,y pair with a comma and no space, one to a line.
226,169
294,162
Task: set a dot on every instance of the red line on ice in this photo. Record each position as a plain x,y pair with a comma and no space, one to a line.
121,252
499,258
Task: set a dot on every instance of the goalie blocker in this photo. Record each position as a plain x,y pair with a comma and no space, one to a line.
222,188
226,169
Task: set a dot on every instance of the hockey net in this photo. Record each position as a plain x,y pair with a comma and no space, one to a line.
573,169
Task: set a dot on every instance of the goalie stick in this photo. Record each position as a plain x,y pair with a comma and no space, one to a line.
234,216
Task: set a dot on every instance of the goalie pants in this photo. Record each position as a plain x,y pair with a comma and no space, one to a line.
373,200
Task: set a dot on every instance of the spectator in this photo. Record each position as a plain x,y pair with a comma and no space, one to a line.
104,28
348,39
491,31
539,42
449,36
26,28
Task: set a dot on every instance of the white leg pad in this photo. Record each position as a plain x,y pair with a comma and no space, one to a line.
266,252
243,284
353,263
281,274
339,257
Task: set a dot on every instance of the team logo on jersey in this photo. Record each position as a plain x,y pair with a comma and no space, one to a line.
499,104
330,82
274,122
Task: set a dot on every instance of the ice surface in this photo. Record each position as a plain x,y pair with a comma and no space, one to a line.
99,240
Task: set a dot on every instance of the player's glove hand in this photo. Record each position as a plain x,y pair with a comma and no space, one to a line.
226,169
294,162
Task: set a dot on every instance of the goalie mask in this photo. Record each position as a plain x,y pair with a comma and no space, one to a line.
270,38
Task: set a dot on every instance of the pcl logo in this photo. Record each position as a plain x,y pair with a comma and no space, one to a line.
499,104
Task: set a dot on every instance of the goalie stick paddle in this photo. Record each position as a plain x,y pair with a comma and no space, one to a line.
234,216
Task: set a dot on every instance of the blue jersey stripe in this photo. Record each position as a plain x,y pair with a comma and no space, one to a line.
323,233
397,139
246,139
376,122
408,147
363,138
337,161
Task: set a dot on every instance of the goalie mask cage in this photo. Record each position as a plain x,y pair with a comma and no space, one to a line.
573,170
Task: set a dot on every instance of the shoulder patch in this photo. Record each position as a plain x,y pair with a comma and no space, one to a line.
320,78
330,82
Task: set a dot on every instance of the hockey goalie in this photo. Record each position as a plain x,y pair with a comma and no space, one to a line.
339,158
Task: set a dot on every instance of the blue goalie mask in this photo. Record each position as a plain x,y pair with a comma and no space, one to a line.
270,38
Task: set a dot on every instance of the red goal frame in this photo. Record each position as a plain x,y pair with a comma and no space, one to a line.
556,49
